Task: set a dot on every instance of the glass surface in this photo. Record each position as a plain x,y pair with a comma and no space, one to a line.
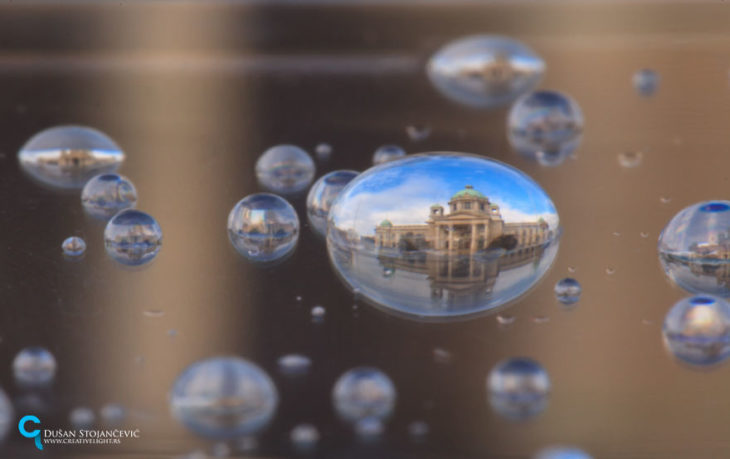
194,92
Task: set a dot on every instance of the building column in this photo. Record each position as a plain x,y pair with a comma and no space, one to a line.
473,247
437,237
451,238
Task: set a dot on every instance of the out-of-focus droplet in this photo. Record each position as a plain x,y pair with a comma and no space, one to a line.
322,194
224,397
323,151
418,132
518,388
363,392
644,234
220,449
610,271
105,195
318,313
442,356
568,290
369,429
630,159
485,71
646,82
133,237
505,320
68,156
665,199
418,430
304,437
82,418
73,246
545,126
285,169
387,153
694,248
154,313
484,234
263,227
697,330
561,452
34,367
113,414
294,364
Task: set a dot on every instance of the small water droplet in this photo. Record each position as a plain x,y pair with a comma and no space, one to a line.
172,333
105,195
572,269
82,418
540,319
285,169
318,313
418,132
369,429
630,159
304,437
568,291
665,199
294,364
616,234
387,153
132,237
73,247
113,414
154,313
441,356
220,449
418,430
610,271
363,393
323,151
505,319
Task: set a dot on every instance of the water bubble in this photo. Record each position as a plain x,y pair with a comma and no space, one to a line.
505,320
561,452
362,393
304,437
132,237
154,313
105,195
68,156
285,169
322,194
224,397
323,151
73,246
442,356
610,271
418,132
263,227
7,415
694,248
629,159
572,269
697,330
518,388
82,418
665,199
369,429
388,153
545,126
294,364
418,430
455,234
318,313
34,367
568,290
113,414
485,71
646,82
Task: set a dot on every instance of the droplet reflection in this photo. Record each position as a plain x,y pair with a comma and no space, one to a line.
285,169
322,194
442,235
697,330
518,388
106,194
363,392
132,237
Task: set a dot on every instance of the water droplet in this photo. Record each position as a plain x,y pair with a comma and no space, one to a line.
322,194
363,393
644,234
105,195
304,437
485,71
73,246
113,414
318,313
568,291
247,444
323,151
299,298
561,452
369,429
616,234
7,415
610,271
223,397
518,388
505,320
418,430
665,199
466,234
418,132
68,156
694,248
172,333
82,418
34,367
294,364
154,313
629,159
441,356
285,169
545,126
572,269
132,237
697,330
387,153
646,82
540,319
263,227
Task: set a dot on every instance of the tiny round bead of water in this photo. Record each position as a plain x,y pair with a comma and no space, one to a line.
73,246
132,237
105,195
285,169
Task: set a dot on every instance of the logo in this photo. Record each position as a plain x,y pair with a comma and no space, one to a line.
29,427
32,434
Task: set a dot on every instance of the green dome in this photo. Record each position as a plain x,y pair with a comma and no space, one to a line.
468,192
435,206
385,223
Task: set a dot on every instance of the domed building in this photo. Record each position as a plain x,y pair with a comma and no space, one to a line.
472,223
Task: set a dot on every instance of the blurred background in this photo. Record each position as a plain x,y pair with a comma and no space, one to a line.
194,92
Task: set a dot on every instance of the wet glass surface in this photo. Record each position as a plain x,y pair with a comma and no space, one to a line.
193,94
